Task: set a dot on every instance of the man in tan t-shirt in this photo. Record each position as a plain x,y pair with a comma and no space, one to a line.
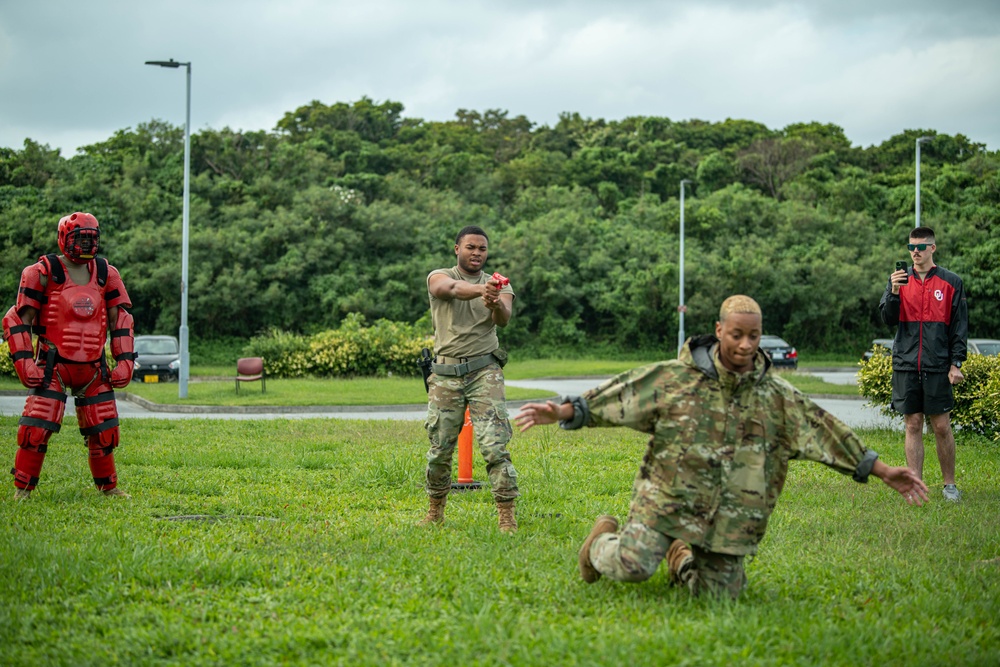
467,305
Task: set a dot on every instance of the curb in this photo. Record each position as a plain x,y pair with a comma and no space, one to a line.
845,397
268,409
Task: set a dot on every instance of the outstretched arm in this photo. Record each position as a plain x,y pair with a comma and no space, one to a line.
903,480
445,288
538,414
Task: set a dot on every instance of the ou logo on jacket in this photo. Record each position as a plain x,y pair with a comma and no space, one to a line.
939,295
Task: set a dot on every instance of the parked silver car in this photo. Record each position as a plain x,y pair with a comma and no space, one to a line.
159,359
985,346
988,347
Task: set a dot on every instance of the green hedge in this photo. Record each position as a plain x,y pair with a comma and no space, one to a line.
384,348
977,399
6,363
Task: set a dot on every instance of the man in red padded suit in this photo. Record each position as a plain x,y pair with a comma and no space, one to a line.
69,300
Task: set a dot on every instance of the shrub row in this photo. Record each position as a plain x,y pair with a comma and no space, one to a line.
977,399
384,348
6,363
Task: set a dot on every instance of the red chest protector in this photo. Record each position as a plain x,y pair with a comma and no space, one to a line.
75,318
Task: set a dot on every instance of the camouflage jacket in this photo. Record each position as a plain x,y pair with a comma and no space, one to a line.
720,446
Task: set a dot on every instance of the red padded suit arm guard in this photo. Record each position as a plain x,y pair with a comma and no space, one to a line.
123,349
18,337
31,292
114,290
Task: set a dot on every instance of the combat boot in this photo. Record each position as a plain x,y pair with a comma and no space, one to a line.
679,561
604,524
21,494
435,511
115,493
505,516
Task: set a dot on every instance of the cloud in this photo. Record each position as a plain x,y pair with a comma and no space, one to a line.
73,72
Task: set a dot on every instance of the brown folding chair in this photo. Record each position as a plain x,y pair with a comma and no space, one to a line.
251,369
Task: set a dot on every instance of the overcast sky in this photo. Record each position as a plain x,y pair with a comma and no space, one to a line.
72,73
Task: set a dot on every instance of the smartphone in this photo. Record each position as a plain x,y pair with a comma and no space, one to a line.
901,266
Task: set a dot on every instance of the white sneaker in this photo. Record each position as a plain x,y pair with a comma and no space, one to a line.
951,493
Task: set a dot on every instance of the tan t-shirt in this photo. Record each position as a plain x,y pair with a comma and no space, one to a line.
463,328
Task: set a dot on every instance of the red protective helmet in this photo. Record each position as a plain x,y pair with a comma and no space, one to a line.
79,237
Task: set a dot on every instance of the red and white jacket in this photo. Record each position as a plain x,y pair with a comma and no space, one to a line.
931,319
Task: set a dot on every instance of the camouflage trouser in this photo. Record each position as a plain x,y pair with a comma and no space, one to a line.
483,392
634,553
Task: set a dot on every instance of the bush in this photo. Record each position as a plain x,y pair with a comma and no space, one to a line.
875,380
6,363
385,348
285,354
977,399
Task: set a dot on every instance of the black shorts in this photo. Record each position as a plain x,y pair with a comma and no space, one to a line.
929,393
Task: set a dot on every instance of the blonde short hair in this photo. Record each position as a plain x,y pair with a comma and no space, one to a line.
738,303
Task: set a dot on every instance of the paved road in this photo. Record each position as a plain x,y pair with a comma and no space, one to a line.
854,412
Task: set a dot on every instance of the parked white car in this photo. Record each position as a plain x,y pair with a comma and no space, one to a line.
985,346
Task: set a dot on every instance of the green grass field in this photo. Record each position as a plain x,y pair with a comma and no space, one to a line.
293,542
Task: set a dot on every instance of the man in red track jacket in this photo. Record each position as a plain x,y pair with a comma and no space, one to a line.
926,304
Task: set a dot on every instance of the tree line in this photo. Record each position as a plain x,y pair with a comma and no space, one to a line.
345,208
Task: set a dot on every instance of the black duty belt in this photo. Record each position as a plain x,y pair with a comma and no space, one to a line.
461,366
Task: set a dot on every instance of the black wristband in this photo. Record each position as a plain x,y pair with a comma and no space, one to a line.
581,412
865,467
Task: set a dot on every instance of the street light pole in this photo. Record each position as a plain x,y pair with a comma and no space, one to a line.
920,140
681,308
182,379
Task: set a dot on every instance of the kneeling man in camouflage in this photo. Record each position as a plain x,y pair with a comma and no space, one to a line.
722,431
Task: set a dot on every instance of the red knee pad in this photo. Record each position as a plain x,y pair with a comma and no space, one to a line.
103,443
44,410
98,417
33,438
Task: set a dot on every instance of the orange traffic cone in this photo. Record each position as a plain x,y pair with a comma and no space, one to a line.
465,481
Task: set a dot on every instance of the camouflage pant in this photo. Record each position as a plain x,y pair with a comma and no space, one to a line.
483,392
634,553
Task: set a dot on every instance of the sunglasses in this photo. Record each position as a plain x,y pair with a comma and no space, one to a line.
917,246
